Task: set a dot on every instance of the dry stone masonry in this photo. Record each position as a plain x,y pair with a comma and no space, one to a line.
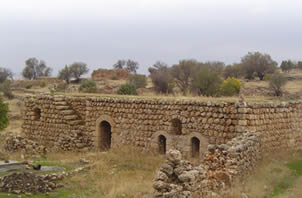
222,165
99,123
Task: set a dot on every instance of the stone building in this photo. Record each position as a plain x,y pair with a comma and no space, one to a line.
99,123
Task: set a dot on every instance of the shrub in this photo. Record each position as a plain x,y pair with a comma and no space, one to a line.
231,86
277,82
5,87
207,83
28,86
3,114
88,86
61,87
42,84
127,89
138,81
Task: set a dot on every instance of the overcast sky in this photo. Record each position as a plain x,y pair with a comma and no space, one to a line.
99,32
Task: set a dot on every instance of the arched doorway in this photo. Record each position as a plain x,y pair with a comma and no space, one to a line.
105,136
195,142
162,144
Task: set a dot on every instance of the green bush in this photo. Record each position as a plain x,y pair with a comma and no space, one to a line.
28,86
61,87
138,81
207,83
230,87
3,114
127,89
88,86
42,84
5,88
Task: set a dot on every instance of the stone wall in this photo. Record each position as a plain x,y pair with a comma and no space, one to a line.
110,74
222,166
83,123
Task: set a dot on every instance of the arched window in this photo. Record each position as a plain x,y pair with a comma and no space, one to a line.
195,142
105,136
37,114
176,127
162,144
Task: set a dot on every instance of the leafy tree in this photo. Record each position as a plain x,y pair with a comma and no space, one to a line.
277,82
127,89
139,81
88,86
35,68
3,114
119,64
161,77
207,83
183,74
215,66
286,66
5,88
234,70
231,86
132,66
299,65
258,63
77,69
5,74
65,74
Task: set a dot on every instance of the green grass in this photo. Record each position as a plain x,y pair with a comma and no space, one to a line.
288,181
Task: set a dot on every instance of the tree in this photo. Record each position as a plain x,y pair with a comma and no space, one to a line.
119,64
286,66
65,74
299,65
207,83
234,70
77,69
132,66
183,74
5,88
258,63
216,66
3,114
161,77
35,68
277,82
5,74
139,81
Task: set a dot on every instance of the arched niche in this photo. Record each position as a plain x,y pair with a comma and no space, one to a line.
37,113
176,126
104,133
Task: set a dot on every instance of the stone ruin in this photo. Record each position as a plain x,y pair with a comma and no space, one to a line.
230,138
222,165
110,74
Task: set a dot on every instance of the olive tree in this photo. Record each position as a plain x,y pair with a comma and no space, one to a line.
260,64
35,68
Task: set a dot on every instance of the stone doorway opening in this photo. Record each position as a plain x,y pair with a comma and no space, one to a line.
105,136
162,144
176,127
195,142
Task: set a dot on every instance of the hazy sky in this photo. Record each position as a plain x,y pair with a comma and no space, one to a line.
100,32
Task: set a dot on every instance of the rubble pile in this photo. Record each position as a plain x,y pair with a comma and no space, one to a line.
26,183
177,177
19,143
